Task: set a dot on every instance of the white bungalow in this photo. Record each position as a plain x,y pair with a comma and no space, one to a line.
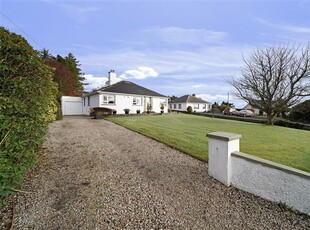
124,95
198,105
255,110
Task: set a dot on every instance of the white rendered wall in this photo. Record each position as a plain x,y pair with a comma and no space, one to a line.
185,105
271,181
157,101
200,109
221,145
94,102
123,101
263,178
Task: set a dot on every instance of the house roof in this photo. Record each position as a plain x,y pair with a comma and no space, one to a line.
188,99
128,87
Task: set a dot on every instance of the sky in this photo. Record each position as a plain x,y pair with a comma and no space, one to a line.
174,47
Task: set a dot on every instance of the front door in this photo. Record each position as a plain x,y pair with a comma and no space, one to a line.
147,100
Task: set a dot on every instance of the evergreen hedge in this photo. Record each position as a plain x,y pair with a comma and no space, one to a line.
189,109
27,104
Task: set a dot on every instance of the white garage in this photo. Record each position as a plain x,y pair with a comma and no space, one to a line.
71,105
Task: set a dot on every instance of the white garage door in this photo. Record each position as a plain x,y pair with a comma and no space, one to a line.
71,105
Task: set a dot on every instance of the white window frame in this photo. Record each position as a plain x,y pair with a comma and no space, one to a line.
179,106
137,101
196,106
108,99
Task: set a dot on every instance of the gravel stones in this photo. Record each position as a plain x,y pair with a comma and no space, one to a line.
98,175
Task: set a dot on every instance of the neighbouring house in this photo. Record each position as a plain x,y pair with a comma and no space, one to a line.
198,105
124,95
256,111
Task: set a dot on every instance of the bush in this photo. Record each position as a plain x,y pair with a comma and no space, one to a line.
162,107
126,111
216,111
289,124
148,107
189,109
58,112
301,112
27,104
96,111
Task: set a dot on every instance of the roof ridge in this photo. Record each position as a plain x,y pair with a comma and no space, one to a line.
129,87
187,98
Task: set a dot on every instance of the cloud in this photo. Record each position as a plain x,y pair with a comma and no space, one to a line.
214,98
198,86
284,26
94,82
80,12
181,71
177,35
297,29
140,73
221,97
177,64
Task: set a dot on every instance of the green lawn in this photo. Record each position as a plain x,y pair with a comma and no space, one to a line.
188,133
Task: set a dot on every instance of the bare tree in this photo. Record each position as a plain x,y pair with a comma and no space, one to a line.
274,79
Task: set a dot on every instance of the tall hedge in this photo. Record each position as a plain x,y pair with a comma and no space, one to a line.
301,112
27,104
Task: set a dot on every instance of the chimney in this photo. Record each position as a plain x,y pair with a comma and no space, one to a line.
112,77
194,95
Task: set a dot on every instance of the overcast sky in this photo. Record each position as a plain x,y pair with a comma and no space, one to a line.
174,47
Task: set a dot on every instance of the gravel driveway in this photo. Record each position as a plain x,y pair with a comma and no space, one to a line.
97,175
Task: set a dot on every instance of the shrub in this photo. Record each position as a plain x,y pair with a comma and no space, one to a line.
189,109
216,110
27,103
289,124
148,107
162,107
58,112
301,112
126,111
101,111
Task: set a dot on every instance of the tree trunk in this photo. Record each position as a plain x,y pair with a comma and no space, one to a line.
270,119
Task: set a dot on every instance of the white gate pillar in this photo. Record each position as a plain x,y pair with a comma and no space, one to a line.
221,145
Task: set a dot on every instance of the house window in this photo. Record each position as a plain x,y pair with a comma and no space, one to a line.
84,101
180,106
88,101
137,101
108,99
174,106
204,106
196,106
170,106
